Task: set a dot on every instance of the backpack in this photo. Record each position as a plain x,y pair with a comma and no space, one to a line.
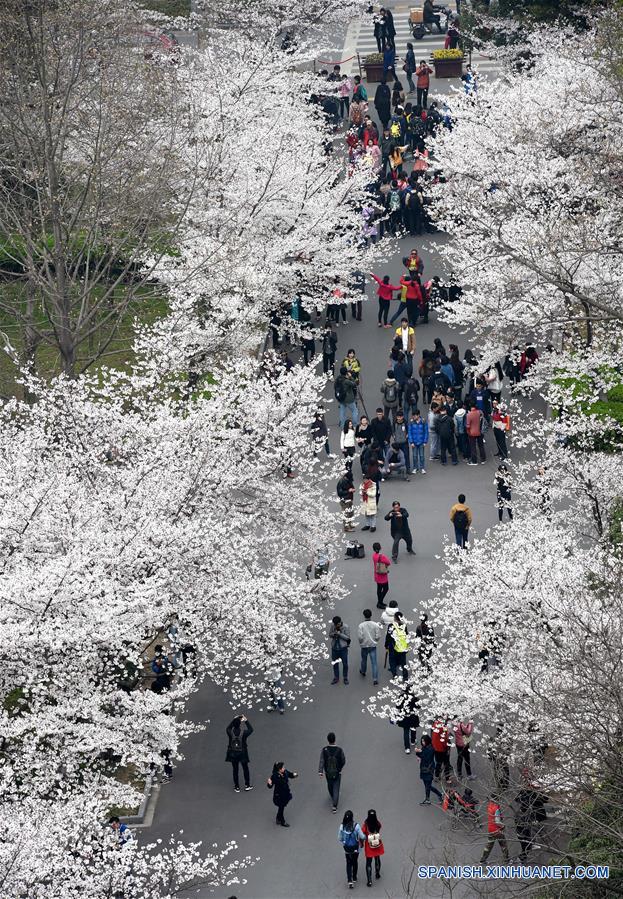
401,639
394,128
394,201
236,742
340,391
461,521
390,393
331,767
351,840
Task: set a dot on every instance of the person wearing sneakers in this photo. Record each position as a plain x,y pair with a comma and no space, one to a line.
427,768
380,569
339,639
369,634
385,293
408,718
238,732
418,438
332,760
399,529
407,335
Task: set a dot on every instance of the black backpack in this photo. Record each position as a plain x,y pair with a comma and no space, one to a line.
236,742
461,521
331,767
340,390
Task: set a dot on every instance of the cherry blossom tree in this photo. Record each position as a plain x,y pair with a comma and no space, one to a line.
532,201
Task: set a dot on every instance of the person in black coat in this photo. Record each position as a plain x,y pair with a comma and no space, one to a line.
381,429
238,732
279,783
399,528
383,103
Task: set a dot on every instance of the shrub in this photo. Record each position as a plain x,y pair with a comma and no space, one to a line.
447,54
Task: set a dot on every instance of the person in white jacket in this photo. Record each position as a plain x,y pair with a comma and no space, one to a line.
347,441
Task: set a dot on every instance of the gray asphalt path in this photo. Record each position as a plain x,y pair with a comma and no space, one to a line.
306,861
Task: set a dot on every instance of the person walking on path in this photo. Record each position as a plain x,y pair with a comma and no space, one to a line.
345,390
461,518
495,830
399,529
380,569
351,836
320,434
440,737
427,768
503,487
398,642
369,634
373,845
408,719
463,731
426,641
332,760
410,67
501,427
329,348
385,293
473,426
418,438
339,637
279,783
383,102
368,498
238,732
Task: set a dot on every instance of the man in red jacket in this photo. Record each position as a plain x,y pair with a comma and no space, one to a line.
440,736
473,428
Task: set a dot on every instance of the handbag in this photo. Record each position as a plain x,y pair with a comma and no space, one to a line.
374,840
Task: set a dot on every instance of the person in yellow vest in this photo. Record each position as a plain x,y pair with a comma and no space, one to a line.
398,634
495,830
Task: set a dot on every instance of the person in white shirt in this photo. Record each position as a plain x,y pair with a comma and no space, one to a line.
407,335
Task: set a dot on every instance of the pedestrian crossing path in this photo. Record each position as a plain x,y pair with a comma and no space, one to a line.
360,42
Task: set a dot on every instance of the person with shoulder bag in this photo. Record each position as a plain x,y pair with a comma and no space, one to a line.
373,846
380,568
410,67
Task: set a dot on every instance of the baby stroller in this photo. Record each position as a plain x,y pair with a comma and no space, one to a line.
463,809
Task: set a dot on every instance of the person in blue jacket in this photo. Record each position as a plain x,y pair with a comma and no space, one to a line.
418,438
351,836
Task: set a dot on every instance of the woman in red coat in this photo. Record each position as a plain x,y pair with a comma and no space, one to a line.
373,847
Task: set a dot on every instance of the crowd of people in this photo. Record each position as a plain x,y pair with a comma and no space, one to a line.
435,406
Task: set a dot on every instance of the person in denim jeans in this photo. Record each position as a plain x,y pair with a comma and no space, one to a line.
369,634
418,438
339,637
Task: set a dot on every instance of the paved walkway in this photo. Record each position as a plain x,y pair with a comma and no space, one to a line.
306,861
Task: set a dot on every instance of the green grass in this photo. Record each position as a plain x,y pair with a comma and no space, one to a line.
147,307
